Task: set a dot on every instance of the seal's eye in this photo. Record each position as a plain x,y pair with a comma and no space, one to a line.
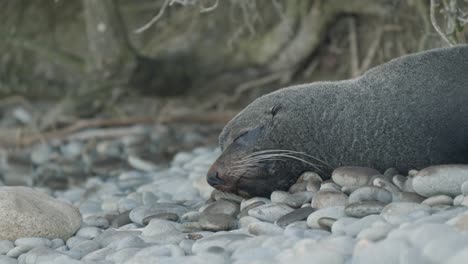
240,135
274,110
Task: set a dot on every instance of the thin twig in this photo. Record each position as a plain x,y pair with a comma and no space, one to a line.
434,4
211,118
154,19
210,8
256,83
353,48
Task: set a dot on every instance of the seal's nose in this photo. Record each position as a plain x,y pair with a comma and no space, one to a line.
213,178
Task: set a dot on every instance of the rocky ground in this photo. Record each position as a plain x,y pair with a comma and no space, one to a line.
135,211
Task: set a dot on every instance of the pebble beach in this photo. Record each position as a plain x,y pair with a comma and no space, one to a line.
150,214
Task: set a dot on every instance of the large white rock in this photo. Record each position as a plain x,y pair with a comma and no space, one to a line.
440,179
25,212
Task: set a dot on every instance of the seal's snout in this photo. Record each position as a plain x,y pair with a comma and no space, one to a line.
213,178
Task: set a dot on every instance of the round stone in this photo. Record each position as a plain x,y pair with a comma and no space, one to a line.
164,216
5,246
464,202
441,179
370,193
56,243
148,254
390,172
377,231
409,197
217,222
299,198
460,222
294,216
362,209
29,213
97,221
121,219
390,251
298,187
228,241
331,212
83,248
385,184
353,177
329,186
7,260
326,223
438,200
338,227
32,242
399,181
162,231
328,198
74,240
294,200
310,176
408,186
354,228
311,180
219,195
41,153
17,251
458,257
138,214
89,232
464,188
191,216
278,196
397,213
247,202
148,198
313,186
245,221
263,228
245,211
270,212
458,200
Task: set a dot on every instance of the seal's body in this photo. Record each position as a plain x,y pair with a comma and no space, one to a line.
411,112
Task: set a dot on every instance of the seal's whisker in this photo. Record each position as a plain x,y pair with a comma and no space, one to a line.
262,153
296,158
287,151
270,155
248,165
257,164
263,157
254,163
254,159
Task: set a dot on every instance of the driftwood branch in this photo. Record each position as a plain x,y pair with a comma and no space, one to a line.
16,138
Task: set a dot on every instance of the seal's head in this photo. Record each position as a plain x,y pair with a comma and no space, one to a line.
258,154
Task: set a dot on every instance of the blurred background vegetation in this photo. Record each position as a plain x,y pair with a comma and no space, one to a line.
95,63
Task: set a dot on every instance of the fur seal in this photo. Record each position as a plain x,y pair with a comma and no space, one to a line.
411,112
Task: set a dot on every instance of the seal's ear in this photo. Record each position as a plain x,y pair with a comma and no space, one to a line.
274,110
